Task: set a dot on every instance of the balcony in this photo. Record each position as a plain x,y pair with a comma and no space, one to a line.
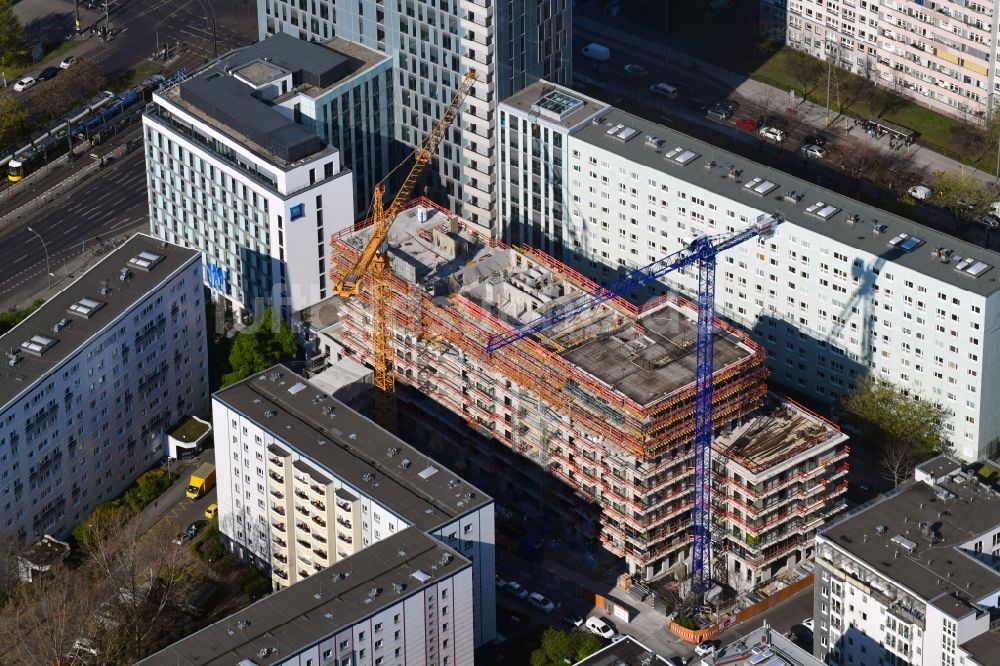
303,543
281,573
344,523
320,553
279,526
277,477
304,574
302,526
280,543
319,505
319,521
277,494
301,495
344,506
280,510
344,538
316,489
280,558
301,509
319,537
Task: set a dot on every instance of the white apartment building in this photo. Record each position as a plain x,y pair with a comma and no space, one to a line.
840,290
92,381
232,173
434,43
408,601
914,577
305,482
940,54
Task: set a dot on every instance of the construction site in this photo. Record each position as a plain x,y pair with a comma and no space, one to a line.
603,401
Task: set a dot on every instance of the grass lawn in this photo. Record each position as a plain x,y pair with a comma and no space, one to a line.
190,430
935,130
50,58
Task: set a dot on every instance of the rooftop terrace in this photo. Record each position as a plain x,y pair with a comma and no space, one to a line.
84,308
915,537
300,615
645,357
353,447
864,227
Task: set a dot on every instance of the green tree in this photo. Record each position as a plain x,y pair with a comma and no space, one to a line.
962,194
907,429
13,115
12,318
12,48
806,70
257,348
559,647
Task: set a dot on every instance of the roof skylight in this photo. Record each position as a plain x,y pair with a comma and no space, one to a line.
760,186
906,242
681,155
822,210
85,307
38,344
145,260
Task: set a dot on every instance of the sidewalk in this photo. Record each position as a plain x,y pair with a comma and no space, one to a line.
807,113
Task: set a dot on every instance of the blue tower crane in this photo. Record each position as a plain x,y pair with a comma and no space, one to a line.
701,251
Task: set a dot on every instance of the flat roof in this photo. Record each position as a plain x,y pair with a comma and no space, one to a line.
859,235
927,526
538,103
46,551
762,647
984,648
77,326
780,432
280,625
626,652
350,446
645,357
939,466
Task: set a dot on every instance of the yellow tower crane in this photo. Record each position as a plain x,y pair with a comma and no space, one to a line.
372,260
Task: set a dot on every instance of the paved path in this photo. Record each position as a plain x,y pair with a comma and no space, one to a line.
586,30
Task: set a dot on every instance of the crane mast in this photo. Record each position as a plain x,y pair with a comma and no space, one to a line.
702,252
373,262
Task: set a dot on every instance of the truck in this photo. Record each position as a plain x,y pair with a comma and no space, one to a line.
596,52
202,481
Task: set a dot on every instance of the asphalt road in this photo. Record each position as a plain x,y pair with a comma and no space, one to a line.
109,204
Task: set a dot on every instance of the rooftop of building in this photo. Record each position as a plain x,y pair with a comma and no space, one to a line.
556,105
45,552
645,357
762,647
914,536
223,92
984,648
626,652
84,308
337,597
334,437
862,226
781,434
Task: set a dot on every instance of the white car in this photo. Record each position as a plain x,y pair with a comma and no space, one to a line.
67,62
516,589
772,134
808,623
24,83
598,626
921,192
814,151
664,89
705,648
541,603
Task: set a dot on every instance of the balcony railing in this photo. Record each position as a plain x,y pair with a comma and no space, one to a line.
279,526
301,495
277,477
319,505
281,558
278,509
320,553
344,506
281,543
302,526
277,494
345,523
281,573
319,521
344,538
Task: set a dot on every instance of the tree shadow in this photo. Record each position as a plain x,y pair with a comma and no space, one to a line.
49,30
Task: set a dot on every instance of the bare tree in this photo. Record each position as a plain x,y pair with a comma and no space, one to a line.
806,70
898,461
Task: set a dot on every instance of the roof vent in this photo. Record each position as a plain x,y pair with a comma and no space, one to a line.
271,412
124,274
446,558
105,287
653,142
421,575
60,325
405,463
904,543
392,451
597,120
13,357
878,229
453,483
881,529
853,219
942,254
398,587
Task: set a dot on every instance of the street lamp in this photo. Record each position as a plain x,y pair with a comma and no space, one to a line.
46,250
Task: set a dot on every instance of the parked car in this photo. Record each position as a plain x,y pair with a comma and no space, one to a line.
48,73
920,192
24,83
816,139
989,221
573,620
808,624
194,528
814,151
211,511
704,648
501,583
638,71
67,62
722,111
598,626
517,589
772,134
664,89
541,603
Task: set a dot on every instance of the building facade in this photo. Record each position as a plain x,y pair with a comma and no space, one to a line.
434,43
233,174
592,421
408,601
93,380
913,578
306,482
939,54
887,296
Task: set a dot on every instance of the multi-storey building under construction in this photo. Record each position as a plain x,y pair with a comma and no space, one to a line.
602,402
